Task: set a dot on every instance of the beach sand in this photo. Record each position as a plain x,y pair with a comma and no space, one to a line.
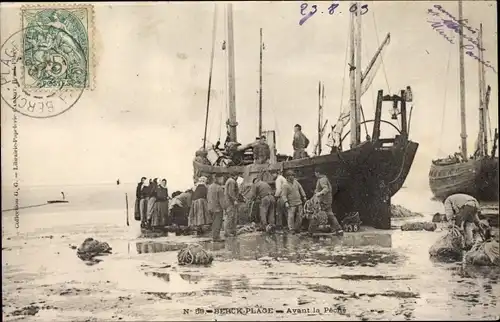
375,274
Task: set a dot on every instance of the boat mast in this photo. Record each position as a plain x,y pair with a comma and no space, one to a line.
463,118
260,85
352,77
483,108
231,122
320,119
358,72
210,77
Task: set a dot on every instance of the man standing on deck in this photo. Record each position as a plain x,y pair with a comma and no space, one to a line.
215,197
300,143
261,151
462,209
262,190
324,192
231,193
281,216
294,196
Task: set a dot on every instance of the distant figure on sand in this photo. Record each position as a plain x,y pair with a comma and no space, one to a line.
63,196
300,143
463,211
138,199
198,214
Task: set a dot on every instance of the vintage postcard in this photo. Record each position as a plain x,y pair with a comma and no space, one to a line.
328,160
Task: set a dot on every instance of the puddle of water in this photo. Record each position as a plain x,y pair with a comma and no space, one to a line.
294,248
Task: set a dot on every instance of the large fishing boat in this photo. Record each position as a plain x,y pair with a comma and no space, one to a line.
368,174
476,175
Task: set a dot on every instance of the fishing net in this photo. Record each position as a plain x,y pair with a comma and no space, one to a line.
91,248
312,211
247,228
449,246
352,218
438,217
351,222
484,253
415,226
194,255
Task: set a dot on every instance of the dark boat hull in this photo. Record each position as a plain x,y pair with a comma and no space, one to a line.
477,177
367,177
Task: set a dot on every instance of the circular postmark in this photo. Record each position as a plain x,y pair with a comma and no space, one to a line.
44,71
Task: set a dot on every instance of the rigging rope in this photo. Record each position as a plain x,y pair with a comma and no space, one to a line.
343,86
226,98
220,113
345,69
444,103
487,111
381,57
210,76
371,88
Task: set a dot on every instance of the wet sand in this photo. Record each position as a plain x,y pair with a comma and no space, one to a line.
369,275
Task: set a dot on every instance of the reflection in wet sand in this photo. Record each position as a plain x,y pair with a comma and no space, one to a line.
158,247
294,248
373,275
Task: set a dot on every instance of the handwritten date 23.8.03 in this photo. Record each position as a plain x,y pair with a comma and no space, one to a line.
331,10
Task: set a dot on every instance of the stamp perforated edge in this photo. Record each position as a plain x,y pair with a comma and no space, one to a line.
92,63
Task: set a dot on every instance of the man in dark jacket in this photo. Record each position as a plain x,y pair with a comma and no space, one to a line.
324,191
261,151
262,190
215,198
231,194
138,199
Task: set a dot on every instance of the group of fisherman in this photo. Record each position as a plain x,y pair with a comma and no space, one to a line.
261,150
214,201
283,208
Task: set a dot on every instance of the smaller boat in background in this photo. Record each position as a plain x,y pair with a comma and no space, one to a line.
476,175
59,201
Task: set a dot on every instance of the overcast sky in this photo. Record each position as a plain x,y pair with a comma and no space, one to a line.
146,114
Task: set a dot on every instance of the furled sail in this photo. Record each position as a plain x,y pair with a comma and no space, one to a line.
367,77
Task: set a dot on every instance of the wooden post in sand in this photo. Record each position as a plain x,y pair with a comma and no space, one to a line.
126,205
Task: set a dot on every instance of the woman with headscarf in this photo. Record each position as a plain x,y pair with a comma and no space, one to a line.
143,206
160,214
198,214
151,201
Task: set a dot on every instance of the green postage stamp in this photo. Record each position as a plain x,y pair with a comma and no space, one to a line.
58,47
